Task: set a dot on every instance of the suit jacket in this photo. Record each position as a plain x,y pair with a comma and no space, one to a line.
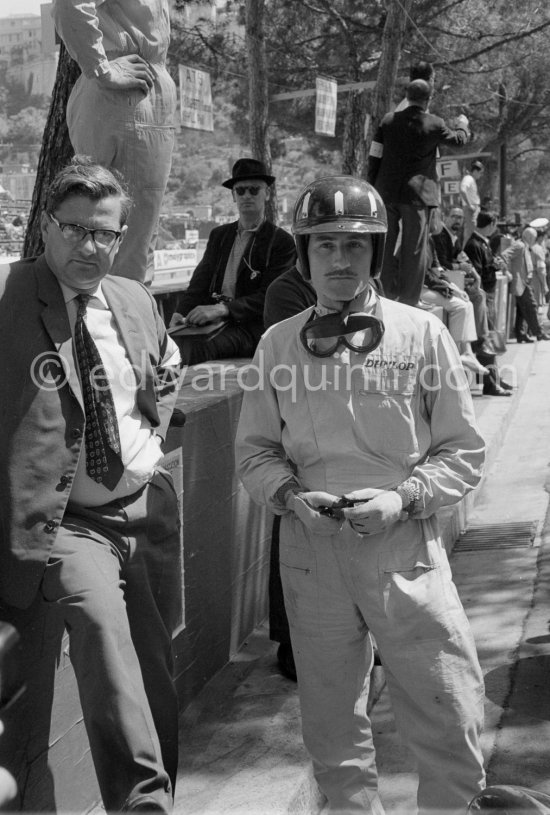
480,254
286,296
42,427
516,263
269,252
446,247
405,172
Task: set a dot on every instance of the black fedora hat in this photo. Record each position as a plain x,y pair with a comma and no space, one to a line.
248,168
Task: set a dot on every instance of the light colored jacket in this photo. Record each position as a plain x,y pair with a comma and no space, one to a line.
373,420
95,31
517,258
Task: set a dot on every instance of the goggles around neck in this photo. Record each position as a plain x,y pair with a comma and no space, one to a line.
336,330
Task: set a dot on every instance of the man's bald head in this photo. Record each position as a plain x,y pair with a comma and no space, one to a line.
418,92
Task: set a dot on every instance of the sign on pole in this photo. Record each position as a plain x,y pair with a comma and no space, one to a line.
195,99
325,106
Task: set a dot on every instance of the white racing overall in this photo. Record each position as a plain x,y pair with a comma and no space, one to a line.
342,424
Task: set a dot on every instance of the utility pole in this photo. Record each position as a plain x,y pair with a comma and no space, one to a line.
502,150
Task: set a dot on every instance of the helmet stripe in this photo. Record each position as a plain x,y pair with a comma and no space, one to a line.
373,206
338,202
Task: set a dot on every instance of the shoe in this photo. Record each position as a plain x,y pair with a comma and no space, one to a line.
543,336
285,658
506,385
495,390
177,419
487,348
472,364
145,804
524,338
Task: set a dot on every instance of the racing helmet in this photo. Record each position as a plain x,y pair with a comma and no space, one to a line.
339,203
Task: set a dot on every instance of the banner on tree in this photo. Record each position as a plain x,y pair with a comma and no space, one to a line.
195,99
325,106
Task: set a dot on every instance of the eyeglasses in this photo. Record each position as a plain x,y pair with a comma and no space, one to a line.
74,233
342,332
253,190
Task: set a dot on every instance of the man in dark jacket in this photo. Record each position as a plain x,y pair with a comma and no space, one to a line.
227,290
402,167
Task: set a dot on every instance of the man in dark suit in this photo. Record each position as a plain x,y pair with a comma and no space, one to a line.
402,167
240,261
88,517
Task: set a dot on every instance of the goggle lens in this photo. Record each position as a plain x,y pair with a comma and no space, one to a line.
361,333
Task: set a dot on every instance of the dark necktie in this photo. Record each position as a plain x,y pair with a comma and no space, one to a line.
103,462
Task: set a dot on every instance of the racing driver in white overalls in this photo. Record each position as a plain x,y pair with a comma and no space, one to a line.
364,398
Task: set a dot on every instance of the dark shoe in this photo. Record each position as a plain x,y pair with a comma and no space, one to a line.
543,336
285,658
495,390
506,385
525,338
145,804
485,348
177,419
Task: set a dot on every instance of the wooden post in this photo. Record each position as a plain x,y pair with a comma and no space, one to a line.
257,93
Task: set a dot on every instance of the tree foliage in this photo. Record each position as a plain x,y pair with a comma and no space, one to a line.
477,48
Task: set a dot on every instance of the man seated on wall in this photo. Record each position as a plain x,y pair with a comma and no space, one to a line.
448,246
89,516
221,312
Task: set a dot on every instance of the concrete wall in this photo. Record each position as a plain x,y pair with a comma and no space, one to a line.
225,556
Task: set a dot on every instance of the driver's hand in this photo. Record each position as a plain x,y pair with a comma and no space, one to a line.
382,508
306,506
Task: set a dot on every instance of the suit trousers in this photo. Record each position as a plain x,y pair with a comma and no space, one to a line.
403,270
526,310
479,302
339,588
462,326
114,572
234,341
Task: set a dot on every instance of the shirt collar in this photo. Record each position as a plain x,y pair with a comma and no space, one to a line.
368,305
483,238
241,229
70,294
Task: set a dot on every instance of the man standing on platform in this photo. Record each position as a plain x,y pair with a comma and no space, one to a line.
402,167
89,518
470,197
121,109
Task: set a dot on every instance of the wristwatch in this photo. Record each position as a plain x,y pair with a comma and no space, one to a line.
409,492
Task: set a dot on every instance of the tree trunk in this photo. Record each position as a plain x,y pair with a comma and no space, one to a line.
56,149
257,93
392,42
353,142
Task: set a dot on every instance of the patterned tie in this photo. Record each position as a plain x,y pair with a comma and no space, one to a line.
103,462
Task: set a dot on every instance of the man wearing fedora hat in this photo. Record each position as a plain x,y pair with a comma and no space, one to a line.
227,289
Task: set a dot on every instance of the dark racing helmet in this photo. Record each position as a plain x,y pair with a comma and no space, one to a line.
339,203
